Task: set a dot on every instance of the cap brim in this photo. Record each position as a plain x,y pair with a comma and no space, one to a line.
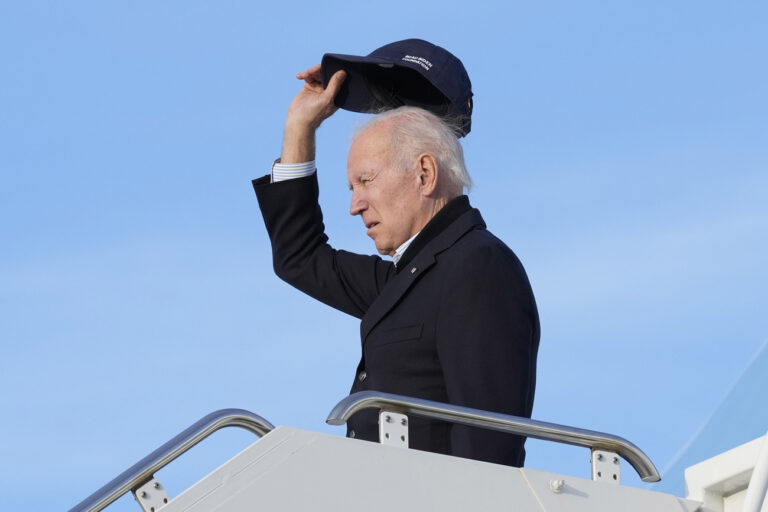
354,94
374,84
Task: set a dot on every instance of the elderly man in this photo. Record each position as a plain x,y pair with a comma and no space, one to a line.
452,318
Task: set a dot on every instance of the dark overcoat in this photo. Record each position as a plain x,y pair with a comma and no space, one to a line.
456,322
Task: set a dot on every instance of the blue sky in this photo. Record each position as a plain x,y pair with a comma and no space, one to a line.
620,149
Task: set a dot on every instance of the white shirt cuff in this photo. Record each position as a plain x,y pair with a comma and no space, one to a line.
282,172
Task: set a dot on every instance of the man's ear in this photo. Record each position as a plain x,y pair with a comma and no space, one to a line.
428,174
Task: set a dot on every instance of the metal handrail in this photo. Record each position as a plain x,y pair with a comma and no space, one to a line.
143,470
495,421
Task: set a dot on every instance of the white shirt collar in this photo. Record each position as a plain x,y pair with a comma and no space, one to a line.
401,250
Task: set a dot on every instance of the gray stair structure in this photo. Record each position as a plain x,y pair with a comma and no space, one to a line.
292,469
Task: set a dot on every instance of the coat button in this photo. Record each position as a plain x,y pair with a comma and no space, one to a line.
362,376
351,434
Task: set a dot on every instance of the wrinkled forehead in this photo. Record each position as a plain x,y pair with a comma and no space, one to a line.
377,131
372,147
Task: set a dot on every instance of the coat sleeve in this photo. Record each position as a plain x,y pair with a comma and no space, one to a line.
487,340
301,255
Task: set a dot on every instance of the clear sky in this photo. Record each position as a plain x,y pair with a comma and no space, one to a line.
619,148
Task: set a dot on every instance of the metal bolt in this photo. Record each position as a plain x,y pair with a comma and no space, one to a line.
143,494
599,456
388,418
556,485
403,422
615,460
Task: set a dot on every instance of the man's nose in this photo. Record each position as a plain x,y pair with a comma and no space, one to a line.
357,205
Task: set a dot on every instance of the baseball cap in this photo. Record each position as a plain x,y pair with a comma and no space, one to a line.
410,72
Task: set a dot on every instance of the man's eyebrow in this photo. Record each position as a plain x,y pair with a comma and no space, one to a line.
363,176
367,175
359,177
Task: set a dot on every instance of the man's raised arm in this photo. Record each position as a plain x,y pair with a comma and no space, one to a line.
289,205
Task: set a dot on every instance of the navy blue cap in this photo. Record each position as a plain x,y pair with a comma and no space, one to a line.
410,72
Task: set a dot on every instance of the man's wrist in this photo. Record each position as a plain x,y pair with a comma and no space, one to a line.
283,172
298,143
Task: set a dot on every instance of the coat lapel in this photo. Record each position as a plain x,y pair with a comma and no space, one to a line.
401,282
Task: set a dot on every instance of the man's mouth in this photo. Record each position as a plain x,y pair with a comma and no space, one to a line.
370,226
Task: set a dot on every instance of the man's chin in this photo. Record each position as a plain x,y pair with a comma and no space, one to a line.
384,251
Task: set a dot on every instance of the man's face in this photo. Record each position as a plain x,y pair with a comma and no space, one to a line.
387,198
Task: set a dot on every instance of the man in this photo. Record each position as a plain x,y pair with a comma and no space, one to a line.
453,318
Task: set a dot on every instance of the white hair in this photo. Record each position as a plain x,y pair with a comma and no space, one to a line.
415,131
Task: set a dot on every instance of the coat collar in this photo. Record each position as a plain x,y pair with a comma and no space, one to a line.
445,217
419,261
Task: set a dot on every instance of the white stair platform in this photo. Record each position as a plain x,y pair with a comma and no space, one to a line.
297,470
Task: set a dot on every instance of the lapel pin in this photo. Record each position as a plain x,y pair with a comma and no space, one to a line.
413,270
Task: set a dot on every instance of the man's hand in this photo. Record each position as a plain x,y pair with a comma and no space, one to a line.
311,106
